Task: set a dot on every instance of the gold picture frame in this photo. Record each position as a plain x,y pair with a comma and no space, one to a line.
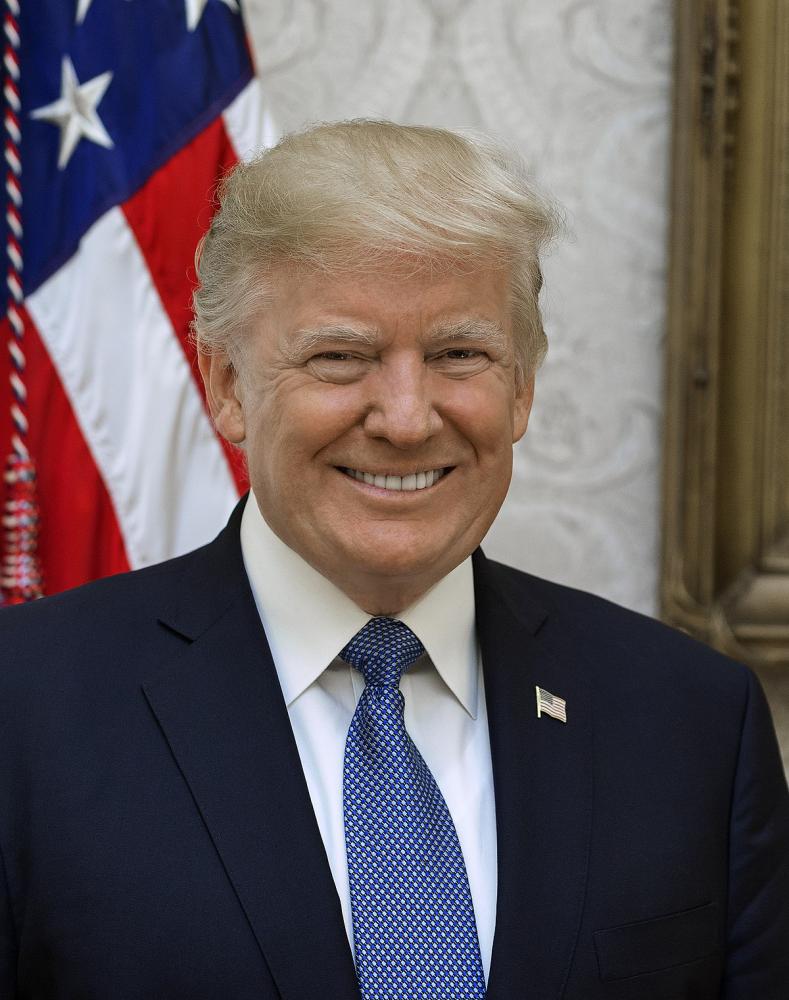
725,566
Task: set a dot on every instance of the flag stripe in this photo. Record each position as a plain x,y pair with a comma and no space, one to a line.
161,85
550,704
248,122
74,502
167,216
130,468
129,384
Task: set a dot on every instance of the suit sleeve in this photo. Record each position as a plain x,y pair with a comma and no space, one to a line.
758,903
8,946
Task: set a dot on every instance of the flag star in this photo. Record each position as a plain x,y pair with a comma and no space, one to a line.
74,112
195,8
83,6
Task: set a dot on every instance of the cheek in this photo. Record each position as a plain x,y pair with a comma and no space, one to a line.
483,412
293,427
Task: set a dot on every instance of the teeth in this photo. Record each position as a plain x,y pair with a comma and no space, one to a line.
410,483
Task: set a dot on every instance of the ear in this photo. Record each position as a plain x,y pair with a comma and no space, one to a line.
221,389
524,397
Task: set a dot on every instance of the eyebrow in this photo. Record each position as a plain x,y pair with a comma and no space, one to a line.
303,341
469,330
480,331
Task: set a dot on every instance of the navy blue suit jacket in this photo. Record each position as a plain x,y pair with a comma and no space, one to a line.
158,839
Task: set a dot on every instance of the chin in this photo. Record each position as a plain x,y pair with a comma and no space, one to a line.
412,559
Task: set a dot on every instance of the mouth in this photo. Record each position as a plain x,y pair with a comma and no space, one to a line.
410,483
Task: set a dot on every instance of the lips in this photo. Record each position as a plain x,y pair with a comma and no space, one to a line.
401,484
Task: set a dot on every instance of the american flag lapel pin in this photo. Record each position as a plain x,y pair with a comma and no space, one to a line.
549,704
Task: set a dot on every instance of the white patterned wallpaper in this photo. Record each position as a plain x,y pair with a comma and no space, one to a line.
582,88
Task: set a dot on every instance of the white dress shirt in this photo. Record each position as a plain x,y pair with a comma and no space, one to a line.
308,620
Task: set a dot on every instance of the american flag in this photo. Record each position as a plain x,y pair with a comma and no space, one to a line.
549,704
120,116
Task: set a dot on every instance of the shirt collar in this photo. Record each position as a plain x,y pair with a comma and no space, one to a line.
308,619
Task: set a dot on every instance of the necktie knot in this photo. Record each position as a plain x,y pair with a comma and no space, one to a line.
382,651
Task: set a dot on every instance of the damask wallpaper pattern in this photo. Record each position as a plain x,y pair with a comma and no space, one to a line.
582,89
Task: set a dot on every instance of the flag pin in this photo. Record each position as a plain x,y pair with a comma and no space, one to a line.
550,704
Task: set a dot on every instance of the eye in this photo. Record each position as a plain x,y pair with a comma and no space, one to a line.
460,362
332,356
463,354
337,366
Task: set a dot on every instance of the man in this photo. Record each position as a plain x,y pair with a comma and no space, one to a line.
337,752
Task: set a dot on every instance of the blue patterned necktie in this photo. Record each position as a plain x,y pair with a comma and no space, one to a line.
413,920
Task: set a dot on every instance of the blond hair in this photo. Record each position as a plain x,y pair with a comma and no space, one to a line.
350,196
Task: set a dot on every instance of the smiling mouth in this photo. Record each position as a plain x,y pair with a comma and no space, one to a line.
398,484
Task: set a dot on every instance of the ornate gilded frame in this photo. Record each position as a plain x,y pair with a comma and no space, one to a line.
725,572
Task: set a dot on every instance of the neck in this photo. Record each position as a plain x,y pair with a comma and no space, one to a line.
384,599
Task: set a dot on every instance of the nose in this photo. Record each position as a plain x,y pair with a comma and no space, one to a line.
401,408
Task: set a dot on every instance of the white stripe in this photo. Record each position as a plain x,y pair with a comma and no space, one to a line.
12,159
134,396
12,34
10,63
19,446
12,97
13,347
13,253
12,128
249,123
13,221
19,418
13,190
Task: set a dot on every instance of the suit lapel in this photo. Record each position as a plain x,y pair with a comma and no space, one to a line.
221,709
542,771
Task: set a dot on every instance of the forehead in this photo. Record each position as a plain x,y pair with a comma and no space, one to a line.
390,295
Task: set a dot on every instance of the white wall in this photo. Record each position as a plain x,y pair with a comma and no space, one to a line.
582,88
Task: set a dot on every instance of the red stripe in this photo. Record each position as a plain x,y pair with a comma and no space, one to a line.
168,216
79,538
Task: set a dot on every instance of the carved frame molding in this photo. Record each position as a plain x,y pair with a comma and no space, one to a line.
725,571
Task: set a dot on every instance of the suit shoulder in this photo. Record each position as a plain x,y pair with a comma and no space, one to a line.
609,632
134,591
101,630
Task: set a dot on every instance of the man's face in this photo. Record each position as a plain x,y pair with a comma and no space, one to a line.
378,413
